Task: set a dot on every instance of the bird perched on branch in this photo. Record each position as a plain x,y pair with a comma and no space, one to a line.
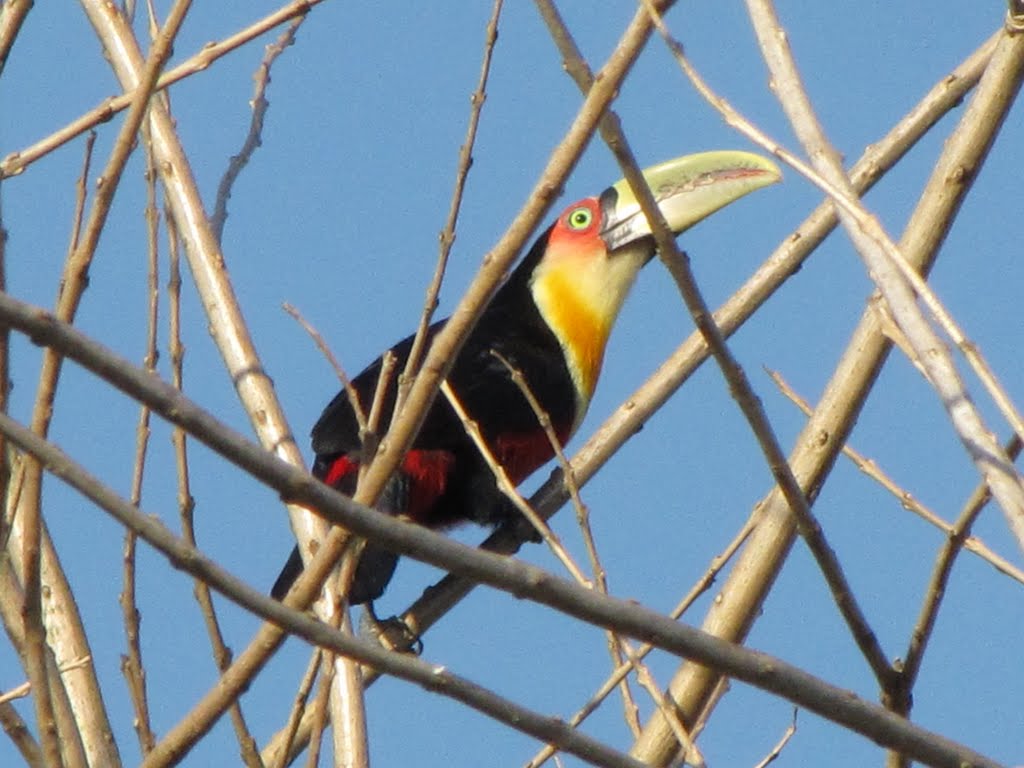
550,321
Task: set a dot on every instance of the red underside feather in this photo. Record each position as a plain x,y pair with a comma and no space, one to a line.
523,452
428,472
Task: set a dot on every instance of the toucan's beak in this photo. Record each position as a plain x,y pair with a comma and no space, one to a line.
687,190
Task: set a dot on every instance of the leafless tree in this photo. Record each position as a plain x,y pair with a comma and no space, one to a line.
58,715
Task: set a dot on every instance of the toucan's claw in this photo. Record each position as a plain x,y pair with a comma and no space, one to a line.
393,633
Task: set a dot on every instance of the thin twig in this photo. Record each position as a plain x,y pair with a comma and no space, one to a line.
631,711
16,162
131,664
20,691
507,487
870,468
5,391
899,697
295,716
692,755
325,350
888,268
388,362
776,752
254,138
940,578
619,674
319,710
447,235
761,670
186,502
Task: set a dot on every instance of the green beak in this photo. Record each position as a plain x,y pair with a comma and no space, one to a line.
687,190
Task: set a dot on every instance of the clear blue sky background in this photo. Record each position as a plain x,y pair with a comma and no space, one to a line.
339,213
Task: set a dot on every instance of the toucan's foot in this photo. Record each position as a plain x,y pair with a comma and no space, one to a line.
393,633
522,529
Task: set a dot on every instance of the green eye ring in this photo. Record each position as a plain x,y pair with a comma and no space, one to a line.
580,218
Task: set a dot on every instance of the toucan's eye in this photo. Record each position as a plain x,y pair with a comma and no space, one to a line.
579,218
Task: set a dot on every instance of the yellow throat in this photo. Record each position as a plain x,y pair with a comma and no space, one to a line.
579,292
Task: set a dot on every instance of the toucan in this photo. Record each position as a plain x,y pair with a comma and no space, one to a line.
549,321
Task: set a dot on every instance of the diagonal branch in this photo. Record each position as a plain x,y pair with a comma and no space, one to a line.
768,673
671,375
907,499
822,438
28,527
208,270
254,137
12,16
447,236
940,578
619,674
16,162
431,676
883,259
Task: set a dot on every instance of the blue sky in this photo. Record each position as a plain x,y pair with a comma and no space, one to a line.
338,214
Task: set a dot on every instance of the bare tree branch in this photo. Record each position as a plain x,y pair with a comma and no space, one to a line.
433,677
20,735
299,710
776,752
885,262
907,499
822,438
254,138
671,375
703,584
12,16
761,670
18,161
91,718
447,237
132,666
925,624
